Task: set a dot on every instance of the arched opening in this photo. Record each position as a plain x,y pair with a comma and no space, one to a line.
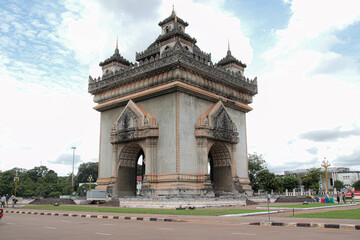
131,170
219,169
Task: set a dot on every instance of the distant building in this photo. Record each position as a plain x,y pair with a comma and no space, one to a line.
342,174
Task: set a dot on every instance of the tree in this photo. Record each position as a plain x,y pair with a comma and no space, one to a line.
87,169
311,179
267,181
256,163
357,185
37,173
338,184
290,182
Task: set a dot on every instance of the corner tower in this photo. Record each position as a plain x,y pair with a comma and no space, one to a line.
185,115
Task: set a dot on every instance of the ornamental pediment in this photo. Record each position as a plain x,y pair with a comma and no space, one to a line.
133,123
216,123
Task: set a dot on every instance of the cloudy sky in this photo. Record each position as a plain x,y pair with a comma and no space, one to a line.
305,54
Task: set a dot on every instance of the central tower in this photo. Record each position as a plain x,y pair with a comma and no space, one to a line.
183,114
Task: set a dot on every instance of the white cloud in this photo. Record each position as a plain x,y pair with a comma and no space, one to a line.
308,86
313,19
90,29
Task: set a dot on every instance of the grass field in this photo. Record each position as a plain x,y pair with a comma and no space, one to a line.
338,214
312,205
203,212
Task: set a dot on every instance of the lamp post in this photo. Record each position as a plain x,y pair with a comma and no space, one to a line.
325,164
72,177
16,179
90,179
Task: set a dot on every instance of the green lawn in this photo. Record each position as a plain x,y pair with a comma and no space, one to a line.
310,205
338,214
206,212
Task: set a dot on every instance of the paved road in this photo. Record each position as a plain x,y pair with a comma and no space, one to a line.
19,226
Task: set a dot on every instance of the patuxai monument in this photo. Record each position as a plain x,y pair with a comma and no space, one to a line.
184,114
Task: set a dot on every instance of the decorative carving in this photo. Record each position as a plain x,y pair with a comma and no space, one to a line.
220,155
129,155
133,124
217,124
175,177
167,60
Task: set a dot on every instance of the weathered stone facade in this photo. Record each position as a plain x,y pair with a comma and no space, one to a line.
182,113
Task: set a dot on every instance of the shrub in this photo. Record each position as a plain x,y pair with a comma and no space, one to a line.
28,193
357,185
54,194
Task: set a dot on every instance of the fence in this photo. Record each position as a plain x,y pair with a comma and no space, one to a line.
307,193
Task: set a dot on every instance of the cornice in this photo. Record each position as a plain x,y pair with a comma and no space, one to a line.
170,60
169,88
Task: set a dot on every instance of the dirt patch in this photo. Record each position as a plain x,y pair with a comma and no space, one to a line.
52,201
112,203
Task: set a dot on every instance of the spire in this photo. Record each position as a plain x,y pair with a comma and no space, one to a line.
173,17
117,46
228,51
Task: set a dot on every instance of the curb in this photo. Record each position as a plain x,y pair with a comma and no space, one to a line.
308,225
251,214
148,219
285,208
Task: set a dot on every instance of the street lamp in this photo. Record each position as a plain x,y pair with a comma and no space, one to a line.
72,177
325,164
16,179
90,179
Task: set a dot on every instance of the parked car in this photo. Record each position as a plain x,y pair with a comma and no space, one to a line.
1,213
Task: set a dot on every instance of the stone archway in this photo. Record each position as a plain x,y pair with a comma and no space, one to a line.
127,171
133,134
220,169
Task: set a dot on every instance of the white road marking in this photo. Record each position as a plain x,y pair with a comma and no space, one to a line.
107,234
107,224
50,227
9,223
165,229
246,234
65,221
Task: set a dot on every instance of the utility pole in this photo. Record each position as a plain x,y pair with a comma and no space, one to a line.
16,179
325,164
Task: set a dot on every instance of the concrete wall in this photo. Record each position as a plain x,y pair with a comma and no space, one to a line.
106,149
164,109
190,109
239,118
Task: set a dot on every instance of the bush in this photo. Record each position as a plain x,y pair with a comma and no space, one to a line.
54,194
338,185
357,185
28,193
